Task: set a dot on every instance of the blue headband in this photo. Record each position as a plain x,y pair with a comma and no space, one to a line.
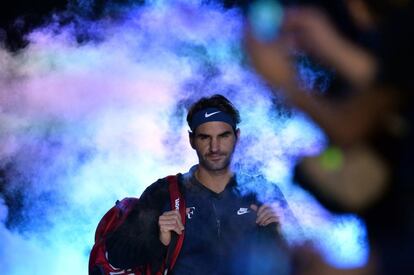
211,114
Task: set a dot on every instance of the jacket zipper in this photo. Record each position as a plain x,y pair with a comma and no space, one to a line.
218,224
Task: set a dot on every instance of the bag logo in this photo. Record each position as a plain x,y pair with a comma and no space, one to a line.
177,203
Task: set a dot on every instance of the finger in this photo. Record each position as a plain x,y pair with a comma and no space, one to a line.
167,225
170,227
163,222
179,219
173,222
170,216
171,213
262,209
171,219
266,214
180,224
274,206
269,221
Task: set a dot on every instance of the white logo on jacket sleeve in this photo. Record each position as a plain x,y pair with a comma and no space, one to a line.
243,211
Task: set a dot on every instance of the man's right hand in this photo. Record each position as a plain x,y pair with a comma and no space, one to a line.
169,221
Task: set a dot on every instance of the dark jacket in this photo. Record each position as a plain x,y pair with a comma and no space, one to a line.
221,236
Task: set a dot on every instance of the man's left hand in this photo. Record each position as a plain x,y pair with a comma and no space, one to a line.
267,213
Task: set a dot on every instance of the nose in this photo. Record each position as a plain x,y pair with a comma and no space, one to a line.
214,145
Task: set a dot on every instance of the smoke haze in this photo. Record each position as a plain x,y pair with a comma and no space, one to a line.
84,122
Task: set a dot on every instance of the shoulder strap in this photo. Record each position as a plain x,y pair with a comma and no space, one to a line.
177,202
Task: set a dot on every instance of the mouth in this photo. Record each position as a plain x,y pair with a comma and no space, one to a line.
215,157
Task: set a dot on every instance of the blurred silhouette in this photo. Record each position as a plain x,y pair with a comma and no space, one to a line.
366,169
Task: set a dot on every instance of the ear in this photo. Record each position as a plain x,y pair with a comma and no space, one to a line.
191,139
237,134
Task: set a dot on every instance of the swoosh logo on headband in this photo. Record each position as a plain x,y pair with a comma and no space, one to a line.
206,115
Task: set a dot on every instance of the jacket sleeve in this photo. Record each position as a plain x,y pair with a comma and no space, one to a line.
136,242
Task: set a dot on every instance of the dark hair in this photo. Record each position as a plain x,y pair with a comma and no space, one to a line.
216,101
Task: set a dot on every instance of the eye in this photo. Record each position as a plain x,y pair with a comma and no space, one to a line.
225,135
203,137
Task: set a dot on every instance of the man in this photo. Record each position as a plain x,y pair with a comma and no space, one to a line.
227,231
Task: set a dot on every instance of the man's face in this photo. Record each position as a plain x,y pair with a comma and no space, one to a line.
214,143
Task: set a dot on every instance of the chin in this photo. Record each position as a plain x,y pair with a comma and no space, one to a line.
216,166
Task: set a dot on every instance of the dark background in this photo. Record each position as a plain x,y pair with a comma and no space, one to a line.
19,17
